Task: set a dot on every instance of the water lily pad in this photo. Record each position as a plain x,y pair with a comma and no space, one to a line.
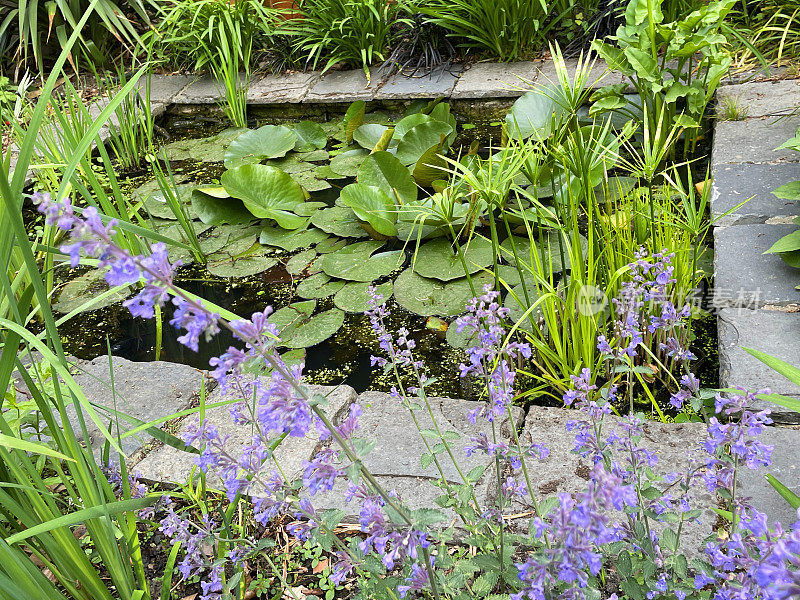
358,262
222,264
347,163
310,136
383,170
532,115
437,259
550,246
290,240
307,209
355,297
372,205
212,149
518,304
615,189
299,329
510,276
406,124
318,285
354,118
430,297
326,172
430,166
269,141
292,164
300,261
339,220
178,150
466,338
314,156
420,139
214,210
332,244
370,134
266,192
156,204
311,183
86,287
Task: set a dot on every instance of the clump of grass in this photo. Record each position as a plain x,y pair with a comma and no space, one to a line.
730,108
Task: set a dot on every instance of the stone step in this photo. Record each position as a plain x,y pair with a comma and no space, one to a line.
754,183
754,140
762,99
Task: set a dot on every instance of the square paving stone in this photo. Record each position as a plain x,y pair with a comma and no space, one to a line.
164,87
735,183
173,465
763,98
495,80
438,83
754,140
144,390
566,471
746,277
785,468
395,459
203,90
277,89
345,86
774,332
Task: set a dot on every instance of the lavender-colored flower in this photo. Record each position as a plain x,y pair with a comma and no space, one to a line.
418,580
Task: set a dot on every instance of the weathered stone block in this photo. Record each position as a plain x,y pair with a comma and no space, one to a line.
439,83
284,88
345,86
495,80
765,98
735,183
754,140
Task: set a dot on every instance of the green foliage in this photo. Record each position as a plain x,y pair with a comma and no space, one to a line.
788,247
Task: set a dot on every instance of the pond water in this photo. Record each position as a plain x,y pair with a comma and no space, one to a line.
343,357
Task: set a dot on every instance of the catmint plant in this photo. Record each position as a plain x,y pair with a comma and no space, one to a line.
619,538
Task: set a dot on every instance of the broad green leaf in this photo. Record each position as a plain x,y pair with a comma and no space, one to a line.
223,264
216,210
300,261
369,135
372,205
430,166
347,163
290,240
788,243
310,136
353,119
358,262
789,191
643,63
420,139
319,285
77,293
438,260
297,328
355,297
429,297
385,171
532,115
339,220
269,141
266,192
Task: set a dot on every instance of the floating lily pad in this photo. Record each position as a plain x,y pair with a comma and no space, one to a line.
223,264
292,165
326,172
156,204
214,210
347,163
509,275
290,240
437,259
466,338
373,206
550,247
383,170
406,124
615,189
269,141
370,134
307,209
311,183
355,297
408,231
339,220
332,244
266,192
430,166
354,118
299,262
212,149
358,262
178,150
88,286
318,285
299,329
532,115
420,139
314,156
310,136
429,297
517,304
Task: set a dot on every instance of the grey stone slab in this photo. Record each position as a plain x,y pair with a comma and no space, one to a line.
438,83
279,89
735,183
774,332
173,465
495,80
600,75
785,468
144,390
566,471
765,98
746,277
164,87
344,86
203,90
754,140
395,459
758,74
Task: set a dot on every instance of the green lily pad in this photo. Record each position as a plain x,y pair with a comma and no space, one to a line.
314,156
299,329
310,136
214,210
466,338
430,297
517,304
292,165
223,264
290,240
339,220
358,262
347,163
300,261
383,170
615,188
420,139
318,285
430,167
86,287
372,205
370,134
355,297
308,209
437,259
406,124
510,276
269,141
311,183
532,115
178,150
326,172
551,246
212,149
332,244
266,192
354,118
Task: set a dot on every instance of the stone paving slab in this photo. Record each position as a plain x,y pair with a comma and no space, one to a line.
203,90
164,87
395,459
745,276
439,83
565,471
345,86
766,98
144,390
774,332
599,76
284,88
495,80
170,464
785,468
754,140
735,183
